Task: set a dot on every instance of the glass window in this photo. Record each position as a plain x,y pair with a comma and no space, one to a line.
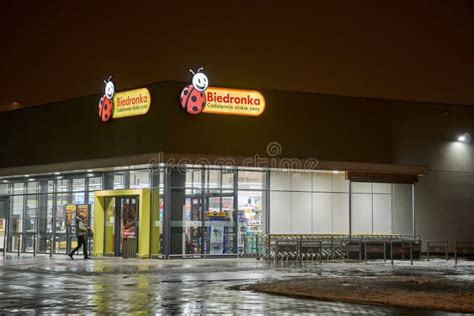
78,198
251,180
214,180
139,179
63,185
19,188
49,221
119,180
194,178
5,188
32,187
250,217
78,184
31,205
16,215
31,213
50,186
197,178
95,183
227,179
18,205
62,200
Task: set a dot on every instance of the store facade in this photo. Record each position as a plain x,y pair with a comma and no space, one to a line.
212,210
213,183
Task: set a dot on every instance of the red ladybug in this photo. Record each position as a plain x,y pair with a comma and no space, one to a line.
105,108
192,100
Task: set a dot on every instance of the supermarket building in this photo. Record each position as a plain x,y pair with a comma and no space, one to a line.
214,182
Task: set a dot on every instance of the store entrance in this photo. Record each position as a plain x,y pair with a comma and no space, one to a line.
122,226
122,223
209,224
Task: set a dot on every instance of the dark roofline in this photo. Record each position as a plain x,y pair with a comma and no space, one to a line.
253,88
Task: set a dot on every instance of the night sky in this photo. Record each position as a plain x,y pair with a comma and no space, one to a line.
412,50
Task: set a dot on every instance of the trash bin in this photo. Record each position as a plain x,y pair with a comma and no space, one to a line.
129,248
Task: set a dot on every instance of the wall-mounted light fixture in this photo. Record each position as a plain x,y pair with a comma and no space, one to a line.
464,138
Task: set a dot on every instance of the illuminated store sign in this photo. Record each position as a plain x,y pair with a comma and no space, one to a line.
199,97
234,102
123,104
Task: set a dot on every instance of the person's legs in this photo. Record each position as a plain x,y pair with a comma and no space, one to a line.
80,242
84,246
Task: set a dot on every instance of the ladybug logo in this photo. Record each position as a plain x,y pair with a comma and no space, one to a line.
106,104
193,98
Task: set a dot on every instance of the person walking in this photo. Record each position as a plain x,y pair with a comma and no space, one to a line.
81,234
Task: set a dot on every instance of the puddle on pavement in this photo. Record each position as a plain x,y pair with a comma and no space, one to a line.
188,286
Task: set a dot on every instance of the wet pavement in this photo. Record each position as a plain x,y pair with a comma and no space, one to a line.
115,285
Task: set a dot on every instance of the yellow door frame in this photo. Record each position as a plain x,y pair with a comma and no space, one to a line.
144,210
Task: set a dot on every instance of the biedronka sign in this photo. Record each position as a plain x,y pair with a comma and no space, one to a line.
198,97
122,104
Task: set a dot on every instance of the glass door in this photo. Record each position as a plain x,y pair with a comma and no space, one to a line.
219,234
202,214
192,222
126,225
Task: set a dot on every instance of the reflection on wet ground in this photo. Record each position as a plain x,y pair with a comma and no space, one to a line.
113,285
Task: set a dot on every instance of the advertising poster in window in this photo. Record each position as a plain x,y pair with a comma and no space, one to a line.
70,210
129,219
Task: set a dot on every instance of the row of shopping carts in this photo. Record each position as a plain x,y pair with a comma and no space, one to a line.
318,247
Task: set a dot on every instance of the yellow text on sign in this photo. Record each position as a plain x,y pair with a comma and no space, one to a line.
234,102
130,103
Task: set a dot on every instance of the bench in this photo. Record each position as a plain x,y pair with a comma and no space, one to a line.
437,247
463,248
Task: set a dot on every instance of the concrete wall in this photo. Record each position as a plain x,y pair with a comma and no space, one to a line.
426,134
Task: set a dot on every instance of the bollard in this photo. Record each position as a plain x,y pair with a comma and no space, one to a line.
245,245
35,239
5,244
391,251
256,245
332,251
298,251
19,244
50,246
277,251
365,251
320,252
